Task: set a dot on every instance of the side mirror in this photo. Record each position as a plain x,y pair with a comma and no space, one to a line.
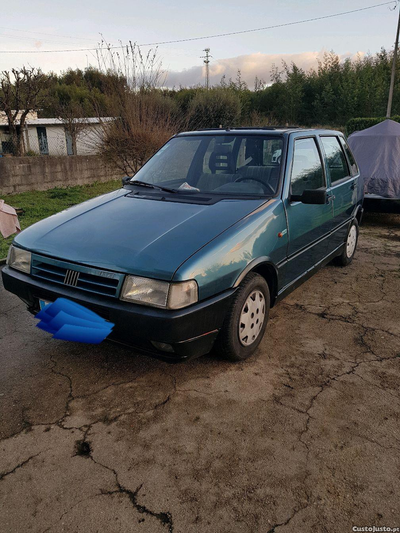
310,196
126,180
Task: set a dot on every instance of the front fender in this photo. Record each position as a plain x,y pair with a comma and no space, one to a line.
254,265
255,239
358,209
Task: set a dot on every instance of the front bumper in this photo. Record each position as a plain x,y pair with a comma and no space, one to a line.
191,331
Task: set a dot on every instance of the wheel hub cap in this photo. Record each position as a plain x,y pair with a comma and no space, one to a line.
252,318
351,241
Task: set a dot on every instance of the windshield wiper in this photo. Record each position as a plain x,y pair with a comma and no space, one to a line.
152,186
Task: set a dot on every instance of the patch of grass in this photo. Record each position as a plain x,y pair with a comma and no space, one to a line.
41,204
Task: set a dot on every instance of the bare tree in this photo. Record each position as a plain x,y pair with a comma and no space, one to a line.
140,71
145,116
144,123
21,92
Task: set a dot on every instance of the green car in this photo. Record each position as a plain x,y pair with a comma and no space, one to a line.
211,232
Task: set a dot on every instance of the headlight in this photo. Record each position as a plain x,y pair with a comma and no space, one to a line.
156,293
19,259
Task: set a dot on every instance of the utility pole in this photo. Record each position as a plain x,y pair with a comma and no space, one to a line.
207,63
396,46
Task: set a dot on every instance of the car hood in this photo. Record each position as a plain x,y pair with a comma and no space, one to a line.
131,234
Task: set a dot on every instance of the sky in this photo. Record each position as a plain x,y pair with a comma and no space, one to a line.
55,25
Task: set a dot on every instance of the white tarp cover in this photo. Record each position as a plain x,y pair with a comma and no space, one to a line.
9,222
377,152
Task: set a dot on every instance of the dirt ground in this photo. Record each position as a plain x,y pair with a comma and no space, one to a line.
304,437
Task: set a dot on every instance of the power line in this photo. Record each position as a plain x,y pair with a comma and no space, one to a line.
206,36
272,27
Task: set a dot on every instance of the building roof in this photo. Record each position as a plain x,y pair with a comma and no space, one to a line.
57,121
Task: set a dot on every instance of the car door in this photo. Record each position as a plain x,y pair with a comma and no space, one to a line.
343,188
308,225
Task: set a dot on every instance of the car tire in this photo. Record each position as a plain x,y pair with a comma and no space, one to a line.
246,320
349,250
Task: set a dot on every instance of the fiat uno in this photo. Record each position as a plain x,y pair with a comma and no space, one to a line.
191,253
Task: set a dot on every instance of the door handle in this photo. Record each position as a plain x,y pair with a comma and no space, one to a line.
353,186
330,197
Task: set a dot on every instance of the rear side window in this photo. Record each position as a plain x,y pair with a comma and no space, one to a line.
335,159
353,165
307,170
255,151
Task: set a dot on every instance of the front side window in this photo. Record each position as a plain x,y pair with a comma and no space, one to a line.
307,170
219,164
335,159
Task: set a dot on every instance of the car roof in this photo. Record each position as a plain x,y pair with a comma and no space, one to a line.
268,130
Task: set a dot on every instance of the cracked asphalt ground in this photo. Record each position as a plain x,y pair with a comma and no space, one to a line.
303,437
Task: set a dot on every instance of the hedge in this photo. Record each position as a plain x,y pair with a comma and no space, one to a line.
358,124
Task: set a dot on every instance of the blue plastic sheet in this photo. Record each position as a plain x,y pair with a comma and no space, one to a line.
70,321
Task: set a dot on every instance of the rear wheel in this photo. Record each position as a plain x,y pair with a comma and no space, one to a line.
246,320
349,249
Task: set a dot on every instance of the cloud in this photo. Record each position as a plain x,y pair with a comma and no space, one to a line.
251,65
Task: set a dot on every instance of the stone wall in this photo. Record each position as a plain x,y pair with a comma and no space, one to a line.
20,174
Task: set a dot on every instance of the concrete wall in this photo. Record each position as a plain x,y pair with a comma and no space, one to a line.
19,174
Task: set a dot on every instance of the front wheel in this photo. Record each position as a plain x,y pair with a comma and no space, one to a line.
246,319
349,250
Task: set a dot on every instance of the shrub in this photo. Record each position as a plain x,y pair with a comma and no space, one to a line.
214,108
146,120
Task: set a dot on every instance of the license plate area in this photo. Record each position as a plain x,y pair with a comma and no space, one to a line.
43,303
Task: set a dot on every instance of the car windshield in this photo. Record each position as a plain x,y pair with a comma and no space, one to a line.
244,165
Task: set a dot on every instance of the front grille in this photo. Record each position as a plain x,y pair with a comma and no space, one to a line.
80,277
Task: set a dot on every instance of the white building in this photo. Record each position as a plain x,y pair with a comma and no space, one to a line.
50,136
